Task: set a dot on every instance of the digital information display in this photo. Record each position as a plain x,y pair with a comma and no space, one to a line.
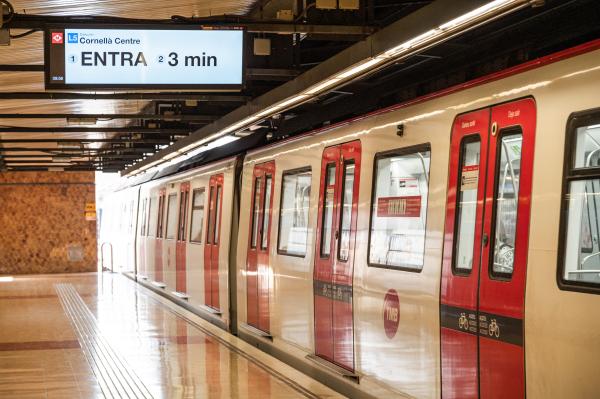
106,58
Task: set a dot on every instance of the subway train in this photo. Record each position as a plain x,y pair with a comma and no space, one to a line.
448,247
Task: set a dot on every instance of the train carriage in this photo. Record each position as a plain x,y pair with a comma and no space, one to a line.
448,247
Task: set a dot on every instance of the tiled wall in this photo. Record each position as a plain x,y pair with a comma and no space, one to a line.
43,228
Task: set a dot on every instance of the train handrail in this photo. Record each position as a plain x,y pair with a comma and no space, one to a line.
584,260
102,256
588,271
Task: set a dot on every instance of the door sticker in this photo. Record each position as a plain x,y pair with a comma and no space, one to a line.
391,313
469,178
409,206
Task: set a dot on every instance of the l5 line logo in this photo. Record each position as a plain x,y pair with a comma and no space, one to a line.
57,38
72,37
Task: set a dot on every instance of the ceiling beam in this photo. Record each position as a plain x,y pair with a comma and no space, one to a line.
35,168
86,141
250,72
129,150
22,68
165,96
8,157
24,21
128,129
164,117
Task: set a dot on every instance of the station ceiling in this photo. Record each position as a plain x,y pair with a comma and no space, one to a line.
130,126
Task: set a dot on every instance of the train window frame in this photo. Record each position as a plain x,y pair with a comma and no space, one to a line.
255,212
571,174
494,275
199,191
143,221
332,240
148,216
291,172
423,147
160,222
176,204
467,139
267,210
182,219
341,220
216,237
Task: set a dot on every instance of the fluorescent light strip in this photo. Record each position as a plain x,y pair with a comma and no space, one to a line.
360,67
322,86
170,155
491,6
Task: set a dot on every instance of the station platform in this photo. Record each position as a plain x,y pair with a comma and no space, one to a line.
97,335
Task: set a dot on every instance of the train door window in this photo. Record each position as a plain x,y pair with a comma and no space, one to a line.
183,208
130,218
217,215
265,211
197,215
580,221
211,215
161,216
149,217
328,202
346,214
399,208
256,211
466,207
123,215
293,217
508,173
172,216
143,225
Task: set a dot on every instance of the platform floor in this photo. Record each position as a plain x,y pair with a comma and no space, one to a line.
101,335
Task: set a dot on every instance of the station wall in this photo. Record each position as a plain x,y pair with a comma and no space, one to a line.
43,224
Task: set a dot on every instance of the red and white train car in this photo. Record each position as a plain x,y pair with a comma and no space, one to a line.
448,247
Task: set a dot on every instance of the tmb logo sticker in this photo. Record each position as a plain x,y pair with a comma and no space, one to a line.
391,313
57,38
72,37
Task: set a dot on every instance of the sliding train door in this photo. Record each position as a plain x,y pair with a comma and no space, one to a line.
257,267
485,252
334,257
213,237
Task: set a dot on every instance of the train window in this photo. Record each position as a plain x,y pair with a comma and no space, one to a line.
172,216
293,218
130,218
197,215
148,216
217,215
143,226
466,205
399,208
266,212
211,216
580,220
151,230
161,216
508,176
328,202
256,211
346,216
183,208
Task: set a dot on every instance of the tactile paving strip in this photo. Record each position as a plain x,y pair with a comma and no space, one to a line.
116,378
